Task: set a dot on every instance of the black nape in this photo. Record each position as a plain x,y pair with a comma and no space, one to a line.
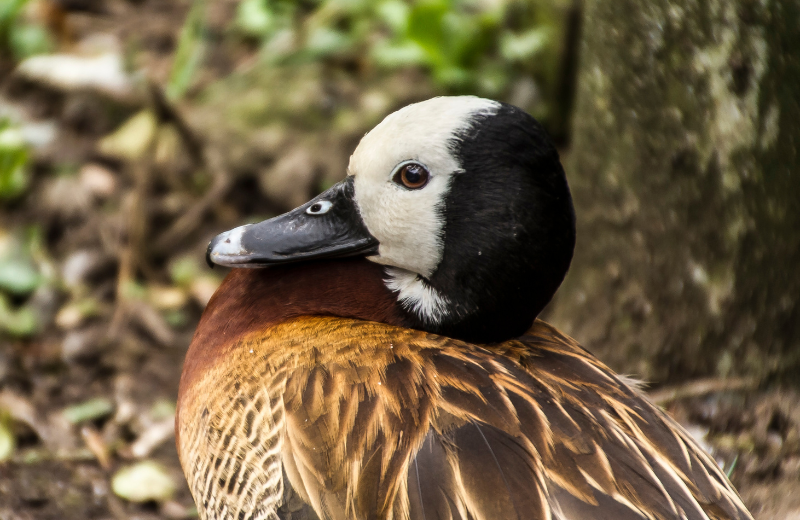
509,229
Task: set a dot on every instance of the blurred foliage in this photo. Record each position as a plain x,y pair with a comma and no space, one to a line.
147,126
20,322
20,277
20,36
467,46
189,53
13,161
17,276
90,410
263,101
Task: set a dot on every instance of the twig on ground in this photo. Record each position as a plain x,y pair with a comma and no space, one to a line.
131,253
193,218
94,441
700,388
202,155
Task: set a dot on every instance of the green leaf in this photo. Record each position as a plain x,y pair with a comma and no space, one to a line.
189,52
13,177
395,14
324,41
524,46
18,323
13,162
9,11
88,410
255,18
18,276
399,55
28,39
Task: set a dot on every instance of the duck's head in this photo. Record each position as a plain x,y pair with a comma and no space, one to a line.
462,199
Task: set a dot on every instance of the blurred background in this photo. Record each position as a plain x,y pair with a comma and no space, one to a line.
133,131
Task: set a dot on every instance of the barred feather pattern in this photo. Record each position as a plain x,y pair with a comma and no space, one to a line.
235,439
366,420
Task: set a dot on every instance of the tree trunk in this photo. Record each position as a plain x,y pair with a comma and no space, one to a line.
684,166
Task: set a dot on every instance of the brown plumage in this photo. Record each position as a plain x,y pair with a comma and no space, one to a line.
301,388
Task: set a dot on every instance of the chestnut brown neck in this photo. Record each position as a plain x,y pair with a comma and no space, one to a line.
252,300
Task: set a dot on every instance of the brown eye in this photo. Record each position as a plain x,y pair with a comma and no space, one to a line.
412,175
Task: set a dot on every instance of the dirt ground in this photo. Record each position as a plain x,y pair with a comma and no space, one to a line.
119,243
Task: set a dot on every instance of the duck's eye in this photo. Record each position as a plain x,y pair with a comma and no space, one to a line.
412,175
318,208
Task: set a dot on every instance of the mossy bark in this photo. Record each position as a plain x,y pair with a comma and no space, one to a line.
684,168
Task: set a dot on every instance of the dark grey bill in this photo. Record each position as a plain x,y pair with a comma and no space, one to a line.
328,226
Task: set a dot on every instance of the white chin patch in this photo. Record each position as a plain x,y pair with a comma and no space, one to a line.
416,296
409,223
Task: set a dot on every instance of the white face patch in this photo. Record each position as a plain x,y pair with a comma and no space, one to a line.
408,223
416,296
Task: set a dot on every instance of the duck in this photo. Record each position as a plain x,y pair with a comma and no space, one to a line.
376,353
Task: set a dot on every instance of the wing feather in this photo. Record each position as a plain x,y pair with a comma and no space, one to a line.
389,423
